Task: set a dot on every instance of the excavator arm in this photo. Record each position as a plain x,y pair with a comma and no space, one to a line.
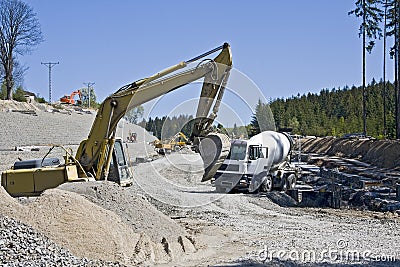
95,153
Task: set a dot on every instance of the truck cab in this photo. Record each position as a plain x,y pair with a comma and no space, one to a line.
245,159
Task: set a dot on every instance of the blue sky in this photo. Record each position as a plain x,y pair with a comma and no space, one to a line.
284,47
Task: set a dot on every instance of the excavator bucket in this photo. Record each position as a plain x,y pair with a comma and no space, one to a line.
214,149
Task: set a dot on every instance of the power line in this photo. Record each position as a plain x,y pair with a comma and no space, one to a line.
88,87
50,65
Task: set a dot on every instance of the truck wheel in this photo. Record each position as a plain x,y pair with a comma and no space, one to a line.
291,182
285,183
267,184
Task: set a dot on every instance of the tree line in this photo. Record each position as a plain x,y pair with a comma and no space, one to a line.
166,127
338,111
334,112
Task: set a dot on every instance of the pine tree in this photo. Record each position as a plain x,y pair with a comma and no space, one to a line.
393,29
262,119
369,29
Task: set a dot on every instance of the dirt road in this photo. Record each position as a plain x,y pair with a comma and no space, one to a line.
246,228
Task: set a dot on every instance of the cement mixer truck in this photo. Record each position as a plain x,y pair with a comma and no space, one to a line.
261,163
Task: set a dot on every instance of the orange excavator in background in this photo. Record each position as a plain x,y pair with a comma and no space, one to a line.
69,99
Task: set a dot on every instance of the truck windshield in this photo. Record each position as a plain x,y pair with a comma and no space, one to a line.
238,151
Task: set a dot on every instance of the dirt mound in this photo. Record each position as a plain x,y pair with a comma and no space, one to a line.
125,128
135,211
89,230
380,153
281,198
9,205
8,105
45,128
55,128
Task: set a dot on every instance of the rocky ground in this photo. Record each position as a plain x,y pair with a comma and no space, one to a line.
168,217
379,153
366,170
21,245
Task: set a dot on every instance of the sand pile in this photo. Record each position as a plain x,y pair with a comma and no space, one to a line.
125,127
8,105
380,153
9,205
92,231
135,211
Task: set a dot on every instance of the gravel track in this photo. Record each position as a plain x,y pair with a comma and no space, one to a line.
250,224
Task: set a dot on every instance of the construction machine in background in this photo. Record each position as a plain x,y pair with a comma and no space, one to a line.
70,99
102,155
180,140
131,138
175,143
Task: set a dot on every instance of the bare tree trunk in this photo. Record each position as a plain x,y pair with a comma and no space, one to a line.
9,79
19,32
397,70
384,73
364,93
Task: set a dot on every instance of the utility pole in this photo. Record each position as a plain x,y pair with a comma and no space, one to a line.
50,65
88,87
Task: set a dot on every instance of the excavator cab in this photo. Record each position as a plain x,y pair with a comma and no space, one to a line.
119,166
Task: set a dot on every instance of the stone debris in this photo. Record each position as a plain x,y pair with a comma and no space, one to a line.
116,226
21,245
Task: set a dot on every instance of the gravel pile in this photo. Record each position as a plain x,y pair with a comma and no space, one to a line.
90,231
138,213
46,128
21,245
56,128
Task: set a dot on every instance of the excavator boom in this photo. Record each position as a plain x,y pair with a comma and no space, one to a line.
93,152
102,155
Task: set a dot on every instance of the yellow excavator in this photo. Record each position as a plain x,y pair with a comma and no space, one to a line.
182,140
174,143
102,156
